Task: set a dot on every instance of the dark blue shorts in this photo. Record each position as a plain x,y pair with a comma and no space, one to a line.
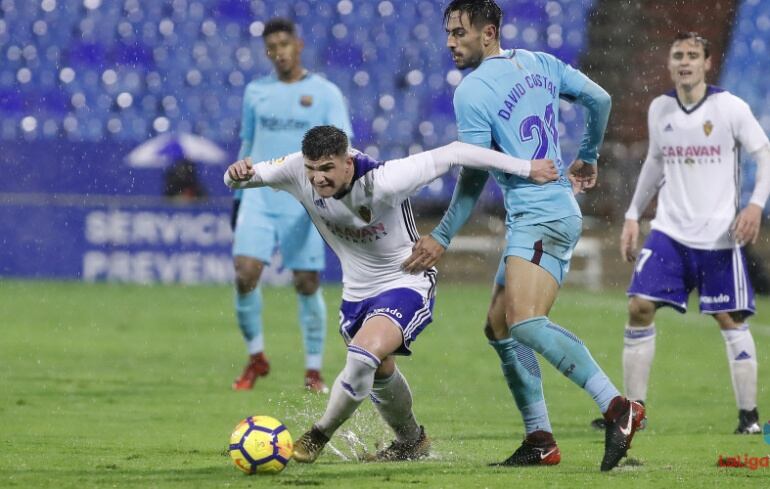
409,310
666,271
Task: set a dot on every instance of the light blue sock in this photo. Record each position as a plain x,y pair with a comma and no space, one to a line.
601,390
312,321
248,308
522,374
568,354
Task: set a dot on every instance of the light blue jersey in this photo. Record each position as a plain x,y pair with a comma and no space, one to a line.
276,116
511,102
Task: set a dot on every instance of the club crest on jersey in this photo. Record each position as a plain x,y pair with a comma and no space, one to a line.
365,213
708,127
306,100
278,161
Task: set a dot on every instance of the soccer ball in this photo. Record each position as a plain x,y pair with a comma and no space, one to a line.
261,445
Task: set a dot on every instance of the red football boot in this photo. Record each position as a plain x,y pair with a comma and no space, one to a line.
538,448
314,382
623,419
258,366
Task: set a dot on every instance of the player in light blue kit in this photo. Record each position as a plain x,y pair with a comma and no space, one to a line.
277,111
511,102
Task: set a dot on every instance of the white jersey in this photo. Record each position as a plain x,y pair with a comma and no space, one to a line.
699,149
371,228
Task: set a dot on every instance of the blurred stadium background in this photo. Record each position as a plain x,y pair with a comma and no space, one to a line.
84,82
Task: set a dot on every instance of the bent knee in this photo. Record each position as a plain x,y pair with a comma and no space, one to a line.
307,283
495,332
386,368
641,312
247,273
730,320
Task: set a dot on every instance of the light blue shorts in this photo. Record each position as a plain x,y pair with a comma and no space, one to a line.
257,234
547,244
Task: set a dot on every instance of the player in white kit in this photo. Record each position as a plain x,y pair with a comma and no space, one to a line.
361,208
695,135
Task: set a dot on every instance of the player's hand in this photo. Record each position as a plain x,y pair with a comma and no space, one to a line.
746,226
543,171
241,170
582,176
629,238
426,252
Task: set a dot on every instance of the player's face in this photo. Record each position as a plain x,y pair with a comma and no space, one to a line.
330,175
464,41
284,51
687,63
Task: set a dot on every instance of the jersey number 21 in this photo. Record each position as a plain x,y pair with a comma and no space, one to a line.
535,125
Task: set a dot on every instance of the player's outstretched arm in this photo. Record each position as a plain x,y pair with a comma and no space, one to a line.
476,157
401,178
428,250
241,174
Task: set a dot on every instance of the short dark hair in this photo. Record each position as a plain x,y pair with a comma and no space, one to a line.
695,37
480,12
322,141
279,24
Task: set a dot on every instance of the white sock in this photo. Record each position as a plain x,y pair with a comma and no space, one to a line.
350,388
742,357
638,352
393,399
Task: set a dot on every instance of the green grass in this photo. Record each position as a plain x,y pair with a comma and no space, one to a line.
127,386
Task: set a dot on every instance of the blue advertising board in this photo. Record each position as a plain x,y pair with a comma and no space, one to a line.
98,239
